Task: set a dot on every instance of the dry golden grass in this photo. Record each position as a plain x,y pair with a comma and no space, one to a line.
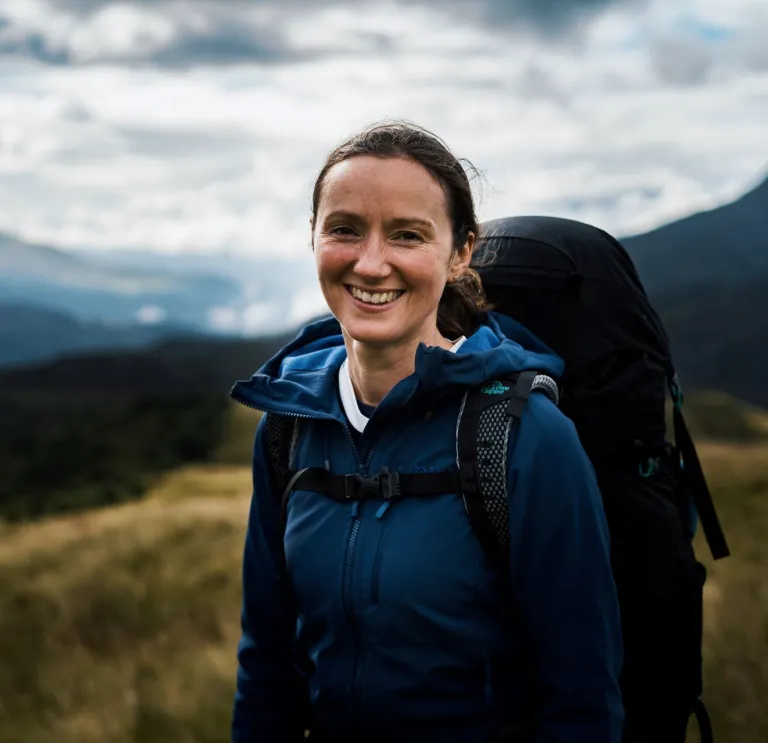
736,610
120,625
203,481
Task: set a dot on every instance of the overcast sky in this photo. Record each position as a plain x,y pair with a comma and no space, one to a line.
200,124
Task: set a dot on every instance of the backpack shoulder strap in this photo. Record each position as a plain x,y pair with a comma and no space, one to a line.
482,436
279,431
693,476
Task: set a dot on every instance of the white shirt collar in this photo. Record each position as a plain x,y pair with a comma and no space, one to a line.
347,392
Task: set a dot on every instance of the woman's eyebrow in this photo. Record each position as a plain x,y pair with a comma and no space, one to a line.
350,216
394,223
411,221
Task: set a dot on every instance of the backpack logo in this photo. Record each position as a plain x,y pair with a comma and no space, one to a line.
494,388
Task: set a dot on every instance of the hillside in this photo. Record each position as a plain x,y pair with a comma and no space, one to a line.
95,430
30,334
21,259
121,624
726,245
174,367
707,275
717,333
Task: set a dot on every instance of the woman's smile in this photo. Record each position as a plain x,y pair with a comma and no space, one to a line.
374,300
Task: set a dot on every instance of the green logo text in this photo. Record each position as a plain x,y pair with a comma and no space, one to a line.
494,388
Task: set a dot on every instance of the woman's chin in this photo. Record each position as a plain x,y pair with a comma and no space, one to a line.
372,333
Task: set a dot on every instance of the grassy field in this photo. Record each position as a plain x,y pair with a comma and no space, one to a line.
119,625
736,611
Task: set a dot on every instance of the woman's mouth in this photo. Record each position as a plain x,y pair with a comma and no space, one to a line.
375,299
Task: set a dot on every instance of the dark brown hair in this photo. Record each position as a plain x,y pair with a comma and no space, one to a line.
463,300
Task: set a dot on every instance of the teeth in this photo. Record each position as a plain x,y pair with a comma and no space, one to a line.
377,298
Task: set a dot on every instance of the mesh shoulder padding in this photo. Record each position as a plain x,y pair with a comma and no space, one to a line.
279,433
493,436
546,385
482,440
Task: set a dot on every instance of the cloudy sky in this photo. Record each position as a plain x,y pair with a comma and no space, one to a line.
200,124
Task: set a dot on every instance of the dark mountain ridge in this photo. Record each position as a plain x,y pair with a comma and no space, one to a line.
707,275
726,245
30,334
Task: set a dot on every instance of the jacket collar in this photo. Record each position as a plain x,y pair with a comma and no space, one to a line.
302,378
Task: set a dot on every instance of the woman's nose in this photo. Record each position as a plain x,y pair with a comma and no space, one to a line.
372,259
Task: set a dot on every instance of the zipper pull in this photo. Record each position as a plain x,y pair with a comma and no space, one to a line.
384,508
355,511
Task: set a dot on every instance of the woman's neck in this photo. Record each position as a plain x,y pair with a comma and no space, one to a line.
375,371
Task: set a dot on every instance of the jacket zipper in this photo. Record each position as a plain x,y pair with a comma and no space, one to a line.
377,565
348,599
239,399
349,562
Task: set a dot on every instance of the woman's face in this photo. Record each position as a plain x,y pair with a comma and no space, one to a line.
383,245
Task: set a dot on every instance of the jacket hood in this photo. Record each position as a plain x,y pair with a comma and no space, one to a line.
302,378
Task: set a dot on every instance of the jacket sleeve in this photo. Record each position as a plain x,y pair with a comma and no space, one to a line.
269,699
561,574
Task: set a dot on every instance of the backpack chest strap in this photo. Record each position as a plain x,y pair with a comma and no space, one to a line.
387,485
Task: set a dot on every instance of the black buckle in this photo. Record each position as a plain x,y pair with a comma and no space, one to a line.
389,483
385,485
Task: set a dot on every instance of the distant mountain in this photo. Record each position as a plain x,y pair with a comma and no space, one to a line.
127,298
707,275
725,245
718,335
33,334
36,275
276,294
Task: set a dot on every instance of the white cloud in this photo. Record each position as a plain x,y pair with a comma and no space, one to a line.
174,33
640,118
257,317
151,314
120,32
307,305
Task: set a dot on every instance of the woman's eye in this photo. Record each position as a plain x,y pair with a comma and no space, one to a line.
408,236
342,231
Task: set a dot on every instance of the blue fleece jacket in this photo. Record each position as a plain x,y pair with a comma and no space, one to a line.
388,621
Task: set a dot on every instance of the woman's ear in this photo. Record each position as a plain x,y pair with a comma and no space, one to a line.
463,256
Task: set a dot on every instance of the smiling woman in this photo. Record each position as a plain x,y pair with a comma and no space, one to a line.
386,251
411,182
394,226
370,614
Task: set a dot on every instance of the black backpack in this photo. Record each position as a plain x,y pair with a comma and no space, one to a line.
576,289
